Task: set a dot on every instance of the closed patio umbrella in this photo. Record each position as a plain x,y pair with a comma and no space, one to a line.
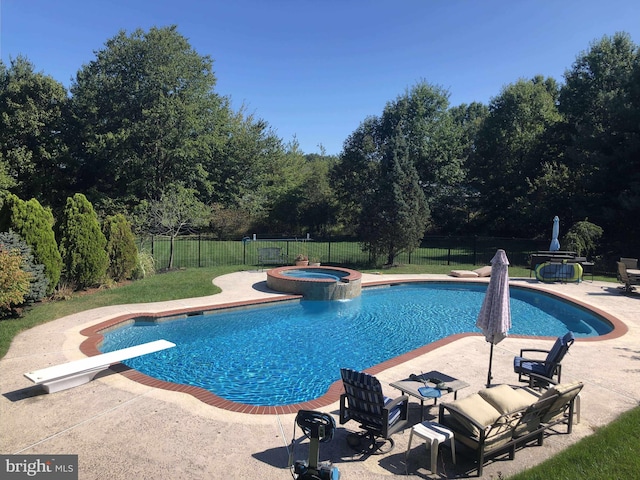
555,231
494,318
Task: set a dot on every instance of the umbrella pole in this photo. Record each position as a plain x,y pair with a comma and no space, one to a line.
490,362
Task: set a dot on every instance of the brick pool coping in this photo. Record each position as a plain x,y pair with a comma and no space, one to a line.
94,338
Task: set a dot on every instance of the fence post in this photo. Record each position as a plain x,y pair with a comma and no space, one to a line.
199,250
475,250
329,251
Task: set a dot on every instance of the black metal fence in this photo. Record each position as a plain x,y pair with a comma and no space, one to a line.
206,251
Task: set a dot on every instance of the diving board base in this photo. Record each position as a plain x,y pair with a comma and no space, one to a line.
78,372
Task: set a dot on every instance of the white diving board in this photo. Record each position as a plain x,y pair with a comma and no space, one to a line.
78,372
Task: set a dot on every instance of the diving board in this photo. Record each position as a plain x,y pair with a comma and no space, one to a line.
78,372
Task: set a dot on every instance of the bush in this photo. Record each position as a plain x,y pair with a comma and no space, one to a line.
145,266
34,224
583,238
11,241
121,247
82,243
14,282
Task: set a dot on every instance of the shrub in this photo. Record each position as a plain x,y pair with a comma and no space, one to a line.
34,224
82,243
11,241
145,266
121,247
14,282
583,238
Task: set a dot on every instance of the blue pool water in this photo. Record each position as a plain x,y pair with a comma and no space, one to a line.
314,274
291,352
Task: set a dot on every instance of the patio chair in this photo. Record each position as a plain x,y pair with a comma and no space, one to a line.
626,279
379,416
524,366
630,262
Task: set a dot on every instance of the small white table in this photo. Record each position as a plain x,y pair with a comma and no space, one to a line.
434,434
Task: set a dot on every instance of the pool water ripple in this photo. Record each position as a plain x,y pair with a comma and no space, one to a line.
291,352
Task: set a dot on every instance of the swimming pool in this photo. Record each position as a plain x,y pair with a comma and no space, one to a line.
291,352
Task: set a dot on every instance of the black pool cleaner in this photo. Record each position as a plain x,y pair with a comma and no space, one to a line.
318,427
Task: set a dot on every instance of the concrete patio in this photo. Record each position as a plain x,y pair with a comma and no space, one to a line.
121,429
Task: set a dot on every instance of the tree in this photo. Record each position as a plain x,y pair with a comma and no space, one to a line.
82,243
357,170
433,138
11,242
510,152
121,247
14,282
32,148
178,211
35,225
394,216
583,237
600,102
146,115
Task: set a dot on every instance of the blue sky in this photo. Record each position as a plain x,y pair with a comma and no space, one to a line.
317,69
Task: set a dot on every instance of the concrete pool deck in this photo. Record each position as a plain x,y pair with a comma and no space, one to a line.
121,429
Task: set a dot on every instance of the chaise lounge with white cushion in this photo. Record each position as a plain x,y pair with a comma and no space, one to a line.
478,272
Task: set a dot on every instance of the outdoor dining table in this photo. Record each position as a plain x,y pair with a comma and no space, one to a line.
416,385
632,272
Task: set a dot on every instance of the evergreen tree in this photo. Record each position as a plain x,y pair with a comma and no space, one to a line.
82,243
11,241
395,216
35,225
121,247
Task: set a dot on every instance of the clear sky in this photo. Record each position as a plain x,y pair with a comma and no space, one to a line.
317,68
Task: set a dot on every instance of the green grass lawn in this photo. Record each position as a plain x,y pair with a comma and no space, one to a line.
610,453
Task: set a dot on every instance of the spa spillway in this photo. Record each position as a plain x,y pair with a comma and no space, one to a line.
316,283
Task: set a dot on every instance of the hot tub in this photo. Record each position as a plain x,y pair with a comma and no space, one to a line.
316,283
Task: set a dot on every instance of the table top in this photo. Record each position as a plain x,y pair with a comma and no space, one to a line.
633,271
413,384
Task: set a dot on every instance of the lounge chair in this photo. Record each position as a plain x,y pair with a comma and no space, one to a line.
499,419
478,272
379,416
628,280
548,368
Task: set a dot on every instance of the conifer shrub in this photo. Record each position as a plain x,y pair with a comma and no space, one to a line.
121,247
12,242
82,243
14,282
34,224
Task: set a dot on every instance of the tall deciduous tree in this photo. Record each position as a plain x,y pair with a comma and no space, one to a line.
395,215
35,225
146,114
82,243
32,150
510,154
600,100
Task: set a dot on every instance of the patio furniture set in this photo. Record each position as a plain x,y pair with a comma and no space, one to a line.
494,421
